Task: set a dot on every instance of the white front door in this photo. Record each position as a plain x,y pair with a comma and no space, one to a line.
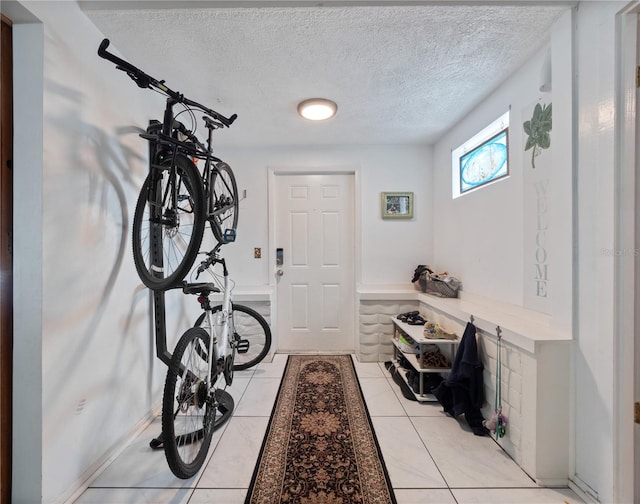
315,292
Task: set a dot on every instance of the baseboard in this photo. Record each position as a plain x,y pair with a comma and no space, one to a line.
585,496
553,482
87,477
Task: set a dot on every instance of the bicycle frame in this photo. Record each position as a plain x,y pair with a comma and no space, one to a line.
165,144
218,330
219,341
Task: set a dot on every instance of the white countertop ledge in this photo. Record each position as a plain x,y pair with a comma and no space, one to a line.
524,328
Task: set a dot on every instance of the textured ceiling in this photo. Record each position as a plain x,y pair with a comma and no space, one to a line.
400,74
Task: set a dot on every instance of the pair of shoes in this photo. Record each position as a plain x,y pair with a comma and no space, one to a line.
416,320
434,331
429,382
403,317
434,359
404,388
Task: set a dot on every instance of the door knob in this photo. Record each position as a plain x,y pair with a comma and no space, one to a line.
279,272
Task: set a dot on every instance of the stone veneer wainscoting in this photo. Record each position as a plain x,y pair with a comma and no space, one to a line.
376,328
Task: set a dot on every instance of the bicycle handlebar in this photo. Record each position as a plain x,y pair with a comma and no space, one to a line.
212,258
146,81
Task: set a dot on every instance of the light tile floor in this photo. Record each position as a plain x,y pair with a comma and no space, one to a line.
431,458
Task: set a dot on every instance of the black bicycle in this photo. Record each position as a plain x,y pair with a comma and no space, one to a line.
177,200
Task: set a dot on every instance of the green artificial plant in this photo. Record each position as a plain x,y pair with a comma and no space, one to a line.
538,129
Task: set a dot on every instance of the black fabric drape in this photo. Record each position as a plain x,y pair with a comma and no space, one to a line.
462,392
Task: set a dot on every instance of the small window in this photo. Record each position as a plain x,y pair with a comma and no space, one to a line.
482,159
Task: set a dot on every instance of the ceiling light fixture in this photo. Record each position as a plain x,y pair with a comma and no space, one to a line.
317,109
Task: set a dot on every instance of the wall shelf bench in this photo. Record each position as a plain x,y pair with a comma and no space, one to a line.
535,366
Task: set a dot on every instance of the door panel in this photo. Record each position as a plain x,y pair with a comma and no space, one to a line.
299,245
331,305
330,239
314,227
299,307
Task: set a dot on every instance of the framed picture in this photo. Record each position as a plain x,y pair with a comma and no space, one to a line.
397,205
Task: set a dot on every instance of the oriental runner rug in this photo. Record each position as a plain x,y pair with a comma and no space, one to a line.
320,447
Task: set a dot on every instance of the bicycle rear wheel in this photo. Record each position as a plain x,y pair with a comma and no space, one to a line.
188,410
223,203
167,231
249,333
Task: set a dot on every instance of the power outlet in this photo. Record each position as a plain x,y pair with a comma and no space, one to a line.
257,252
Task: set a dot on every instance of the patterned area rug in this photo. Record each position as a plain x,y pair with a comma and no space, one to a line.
320,447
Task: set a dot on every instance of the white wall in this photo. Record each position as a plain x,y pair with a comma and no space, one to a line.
99,375
489,237
391,249
479,236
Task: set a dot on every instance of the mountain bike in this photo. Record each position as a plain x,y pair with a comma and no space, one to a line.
176,200
226,338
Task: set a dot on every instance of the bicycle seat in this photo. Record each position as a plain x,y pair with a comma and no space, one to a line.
201,288
211,123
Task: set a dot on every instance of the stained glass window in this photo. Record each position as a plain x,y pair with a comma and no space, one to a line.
485,163
482,159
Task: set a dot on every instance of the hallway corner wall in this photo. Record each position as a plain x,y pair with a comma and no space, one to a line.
86,371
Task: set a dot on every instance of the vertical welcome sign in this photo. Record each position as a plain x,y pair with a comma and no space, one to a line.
537,215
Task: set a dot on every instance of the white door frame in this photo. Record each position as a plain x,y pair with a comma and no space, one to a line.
627,276
275,171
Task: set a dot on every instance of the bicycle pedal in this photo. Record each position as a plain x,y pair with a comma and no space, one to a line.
157,443
229,235
243,346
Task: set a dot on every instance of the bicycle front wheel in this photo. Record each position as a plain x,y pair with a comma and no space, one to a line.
168,223
223,203
248,332
188,409
251,334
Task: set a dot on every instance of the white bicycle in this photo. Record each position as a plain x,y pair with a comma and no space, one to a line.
226,337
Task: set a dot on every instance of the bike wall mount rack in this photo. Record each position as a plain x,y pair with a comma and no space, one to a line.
225,401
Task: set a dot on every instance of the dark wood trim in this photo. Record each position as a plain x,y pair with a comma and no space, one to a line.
6,256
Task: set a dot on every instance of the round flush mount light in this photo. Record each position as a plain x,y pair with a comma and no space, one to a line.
317,109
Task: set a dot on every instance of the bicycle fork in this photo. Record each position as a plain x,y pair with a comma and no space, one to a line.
227,336
212,364
219,324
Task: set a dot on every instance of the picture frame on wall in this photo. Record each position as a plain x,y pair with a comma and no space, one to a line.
397,205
